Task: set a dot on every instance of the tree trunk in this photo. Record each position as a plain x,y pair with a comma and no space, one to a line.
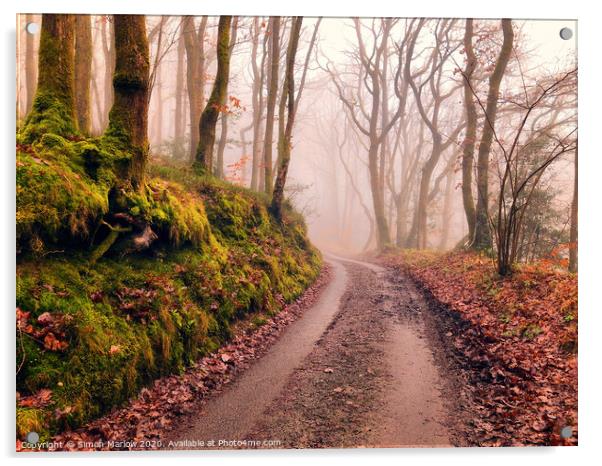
425,181
54,104
108,46
446,213
195,75
204,154
274,61
158,133
128,119
244,157
257,105
30,66
401,226
179,111
482,236
471,132
284,142
573,234
83,69
382,229
223,137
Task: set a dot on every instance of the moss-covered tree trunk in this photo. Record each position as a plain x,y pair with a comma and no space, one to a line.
128,119
284,140
83,71
53,108
204,154
223,137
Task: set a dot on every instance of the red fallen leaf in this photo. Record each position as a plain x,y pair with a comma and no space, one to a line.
45,319
539,426
114,349
226,357
38,400
22,323
53,344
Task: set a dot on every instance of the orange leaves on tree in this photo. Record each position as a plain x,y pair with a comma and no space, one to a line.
233,107
236,168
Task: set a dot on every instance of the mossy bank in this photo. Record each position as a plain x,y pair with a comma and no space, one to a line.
96,323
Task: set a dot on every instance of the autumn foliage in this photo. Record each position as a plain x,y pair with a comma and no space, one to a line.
518,338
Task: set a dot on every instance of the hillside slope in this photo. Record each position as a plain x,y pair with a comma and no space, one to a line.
118,287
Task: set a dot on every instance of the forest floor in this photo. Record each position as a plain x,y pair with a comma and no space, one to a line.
370,356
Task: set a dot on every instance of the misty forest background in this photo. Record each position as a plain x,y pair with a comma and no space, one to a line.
415,133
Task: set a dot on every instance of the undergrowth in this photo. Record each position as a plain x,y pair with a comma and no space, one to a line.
90,333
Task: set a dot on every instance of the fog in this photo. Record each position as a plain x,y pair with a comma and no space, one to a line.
329,178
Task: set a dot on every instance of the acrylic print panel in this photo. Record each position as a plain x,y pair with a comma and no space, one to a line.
287,232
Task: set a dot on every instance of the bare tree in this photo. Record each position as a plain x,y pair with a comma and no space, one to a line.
482,233
108,47
519,180
194,42
471,131
274,64
369,122
179,110
574,216
258,72
441,52
30,66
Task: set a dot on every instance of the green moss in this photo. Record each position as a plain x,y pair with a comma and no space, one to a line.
176,213
65,188
49,115
53,106
55,195
32,420
139,317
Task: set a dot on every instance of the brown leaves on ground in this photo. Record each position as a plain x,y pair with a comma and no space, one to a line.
41,399
518,338
146,419
48,329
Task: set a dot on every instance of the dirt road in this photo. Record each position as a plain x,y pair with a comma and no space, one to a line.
359,368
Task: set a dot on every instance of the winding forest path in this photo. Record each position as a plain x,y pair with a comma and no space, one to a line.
357,369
